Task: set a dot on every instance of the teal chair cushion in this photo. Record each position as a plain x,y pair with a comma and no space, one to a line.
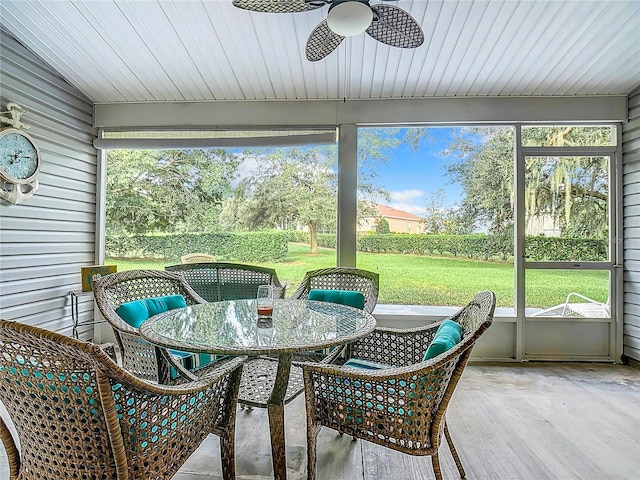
365,364
447,336
191,361
135,313
343,297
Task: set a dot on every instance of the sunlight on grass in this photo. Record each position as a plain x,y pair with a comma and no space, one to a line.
424,280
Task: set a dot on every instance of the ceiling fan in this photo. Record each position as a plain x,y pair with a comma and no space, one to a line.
345,18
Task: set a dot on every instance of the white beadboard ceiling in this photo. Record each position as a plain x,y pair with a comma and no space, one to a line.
188,50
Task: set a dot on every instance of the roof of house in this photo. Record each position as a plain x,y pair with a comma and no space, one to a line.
385,211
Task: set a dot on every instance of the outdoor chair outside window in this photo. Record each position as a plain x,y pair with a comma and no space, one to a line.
197,258
77,414
217,281
399,400
584,307
341,278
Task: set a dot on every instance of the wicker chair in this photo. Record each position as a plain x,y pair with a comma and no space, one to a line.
197,258
216,281
341,278
156,364
403,406
139,357
79,415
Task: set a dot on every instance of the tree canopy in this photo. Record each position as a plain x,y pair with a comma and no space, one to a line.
571,191
250,189
166,190
288,187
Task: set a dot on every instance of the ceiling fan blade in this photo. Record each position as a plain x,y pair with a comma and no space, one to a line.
322,42
277,6
394,26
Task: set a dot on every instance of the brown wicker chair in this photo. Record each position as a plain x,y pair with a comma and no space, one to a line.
197,258
79,415
341,278
403,406
216,281
156,364
139,357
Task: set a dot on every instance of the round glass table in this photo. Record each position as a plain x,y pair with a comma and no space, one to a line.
233,328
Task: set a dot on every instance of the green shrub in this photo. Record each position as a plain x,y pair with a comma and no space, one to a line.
480,246
266,246
382,226
271,246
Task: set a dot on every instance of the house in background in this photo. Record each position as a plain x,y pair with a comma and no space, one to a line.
399,221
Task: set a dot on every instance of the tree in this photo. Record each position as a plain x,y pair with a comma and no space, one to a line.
435,215
382,226
573,191
166,190
298,186
483,165
456,222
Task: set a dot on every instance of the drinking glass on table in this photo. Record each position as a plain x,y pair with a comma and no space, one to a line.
265,301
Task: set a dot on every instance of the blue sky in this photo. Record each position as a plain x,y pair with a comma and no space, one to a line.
412,175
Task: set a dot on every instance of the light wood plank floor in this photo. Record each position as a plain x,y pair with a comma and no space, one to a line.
532,421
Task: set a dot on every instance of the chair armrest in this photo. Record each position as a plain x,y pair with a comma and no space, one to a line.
393,346
110,349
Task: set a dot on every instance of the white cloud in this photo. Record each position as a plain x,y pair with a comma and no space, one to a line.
406,196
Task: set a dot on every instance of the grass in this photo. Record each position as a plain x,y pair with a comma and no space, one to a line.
425,280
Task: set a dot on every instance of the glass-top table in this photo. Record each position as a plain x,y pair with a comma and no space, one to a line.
233,328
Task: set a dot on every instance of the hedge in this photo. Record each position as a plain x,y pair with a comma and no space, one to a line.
478,246
267,246
272,246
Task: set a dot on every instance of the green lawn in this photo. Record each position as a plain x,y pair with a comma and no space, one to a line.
424,280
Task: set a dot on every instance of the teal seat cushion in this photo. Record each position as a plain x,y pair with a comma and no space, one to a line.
190,361
343,297
449,333
135,313
365,364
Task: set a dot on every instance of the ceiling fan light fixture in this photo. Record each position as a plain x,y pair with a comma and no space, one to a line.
349,18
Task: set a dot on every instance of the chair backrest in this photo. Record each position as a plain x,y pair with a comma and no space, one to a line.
476,316
78,415
216,281
197,258
341,278
111,291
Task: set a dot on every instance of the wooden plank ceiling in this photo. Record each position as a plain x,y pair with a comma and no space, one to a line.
187,50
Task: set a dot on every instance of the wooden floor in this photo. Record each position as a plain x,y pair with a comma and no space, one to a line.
535,421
